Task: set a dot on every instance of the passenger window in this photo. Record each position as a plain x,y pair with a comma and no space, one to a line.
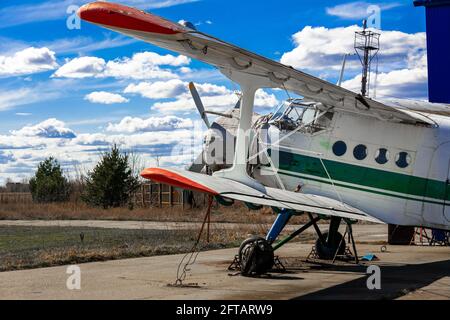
360,152
339,148
403,160
382,156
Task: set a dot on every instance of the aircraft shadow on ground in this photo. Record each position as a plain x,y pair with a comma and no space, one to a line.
396,281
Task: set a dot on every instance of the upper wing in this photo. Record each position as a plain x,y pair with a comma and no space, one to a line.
420,106
270,197
233,61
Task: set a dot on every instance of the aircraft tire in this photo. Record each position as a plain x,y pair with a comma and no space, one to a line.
256,256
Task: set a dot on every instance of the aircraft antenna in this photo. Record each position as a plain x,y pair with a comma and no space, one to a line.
367,45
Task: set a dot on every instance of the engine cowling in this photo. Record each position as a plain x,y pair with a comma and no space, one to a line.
220,141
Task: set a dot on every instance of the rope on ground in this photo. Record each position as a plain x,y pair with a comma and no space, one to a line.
183,266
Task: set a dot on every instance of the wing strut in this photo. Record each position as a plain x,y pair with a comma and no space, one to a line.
238,172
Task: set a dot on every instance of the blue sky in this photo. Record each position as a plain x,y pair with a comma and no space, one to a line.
127,95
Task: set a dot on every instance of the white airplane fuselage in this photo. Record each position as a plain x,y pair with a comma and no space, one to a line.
407,183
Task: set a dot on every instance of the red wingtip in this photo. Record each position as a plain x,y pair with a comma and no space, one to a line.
174,179
119,16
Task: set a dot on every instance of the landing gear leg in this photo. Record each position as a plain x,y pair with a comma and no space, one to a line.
334,243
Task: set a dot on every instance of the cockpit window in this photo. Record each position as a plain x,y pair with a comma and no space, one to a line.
309,115
280,111
292,115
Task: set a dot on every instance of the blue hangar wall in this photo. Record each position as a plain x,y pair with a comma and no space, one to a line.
438,48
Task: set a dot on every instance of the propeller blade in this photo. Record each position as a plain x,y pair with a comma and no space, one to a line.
199,103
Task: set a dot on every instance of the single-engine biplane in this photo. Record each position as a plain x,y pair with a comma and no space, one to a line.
334,154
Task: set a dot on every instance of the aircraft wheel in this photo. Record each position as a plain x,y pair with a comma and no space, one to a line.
327,252
256,256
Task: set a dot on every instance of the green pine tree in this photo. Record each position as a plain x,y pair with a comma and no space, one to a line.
49,184
112,182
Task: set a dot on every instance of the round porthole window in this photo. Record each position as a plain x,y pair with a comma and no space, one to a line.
403,160
339,148
382,156
360,152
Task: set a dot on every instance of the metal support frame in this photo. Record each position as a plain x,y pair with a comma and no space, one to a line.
296,233
367,45
316,227
349,233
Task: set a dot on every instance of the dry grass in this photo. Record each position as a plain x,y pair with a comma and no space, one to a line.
36,247
79,211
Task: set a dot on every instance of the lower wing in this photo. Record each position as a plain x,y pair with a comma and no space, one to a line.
269,197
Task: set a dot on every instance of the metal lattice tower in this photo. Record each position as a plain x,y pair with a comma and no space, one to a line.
367,45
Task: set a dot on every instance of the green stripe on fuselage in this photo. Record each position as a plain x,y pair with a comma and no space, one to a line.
365,177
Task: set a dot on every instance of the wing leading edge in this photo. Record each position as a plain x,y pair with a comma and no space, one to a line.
234,61
270,197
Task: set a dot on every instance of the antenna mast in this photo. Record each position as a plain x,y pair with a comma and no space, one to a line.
367,45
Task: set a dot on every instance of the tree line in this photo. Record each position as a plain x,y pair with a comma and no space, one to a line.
110,184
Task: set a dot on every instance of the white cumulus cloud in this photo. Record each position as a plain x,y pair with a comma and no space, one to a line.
50,128
143,65
403,83
103,97
79,68
401,64
133,125
28,61
214,98
319,48
23,149
402,60
209,89
159,89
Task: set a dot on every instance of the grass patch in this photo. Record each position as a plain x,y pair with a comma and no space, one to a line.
35,247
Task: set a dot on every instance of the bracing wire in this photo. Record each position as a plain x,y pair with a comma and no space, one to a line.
193,254
331,180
